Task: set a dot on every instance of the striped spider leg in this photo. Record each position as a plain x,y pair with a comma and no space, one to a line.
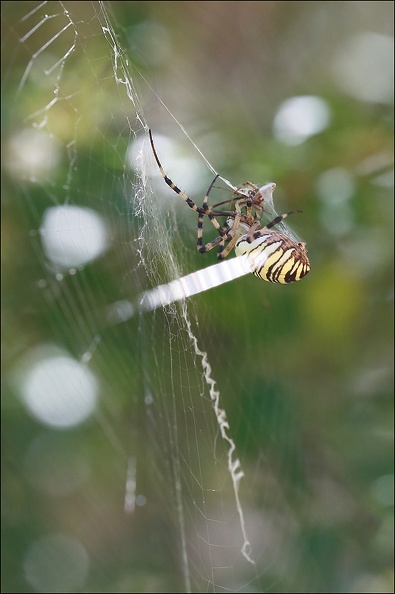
273,256
202,211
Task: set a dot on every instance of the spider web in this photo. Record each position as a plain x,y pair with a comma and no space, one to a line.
146,471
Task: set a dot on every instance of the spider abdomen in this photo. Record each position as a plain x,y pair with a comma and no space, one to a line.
273,257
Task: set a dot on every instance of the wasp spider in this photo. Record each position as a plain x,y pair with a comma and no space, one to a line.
273,256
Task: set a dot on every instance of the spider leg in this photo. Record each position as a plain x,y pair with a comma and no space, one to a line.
249,207
205,200
206,210
203,210
254,227
211,244
169,182
254,235
246,184
253,200
246,199
231,237
226,235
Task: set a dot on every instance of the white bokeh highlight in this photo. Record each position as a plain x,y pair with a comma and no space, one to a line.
186,172
298,118
57,390
72,236
31,154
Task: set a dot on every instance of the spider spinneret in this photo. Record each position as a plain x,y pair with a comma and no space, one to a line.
273,256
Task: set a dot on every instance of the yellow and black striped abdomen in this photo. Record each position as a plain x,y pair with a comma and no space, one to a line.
274,257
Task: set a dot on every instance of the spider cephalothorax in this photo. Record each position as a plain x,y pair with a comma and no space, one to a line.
273,256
